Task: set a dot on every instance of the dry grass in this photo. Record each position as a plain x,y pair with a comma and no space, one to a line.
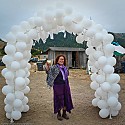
41,102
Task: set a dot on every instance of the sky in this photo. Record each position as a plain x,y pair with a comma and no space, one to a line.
109,13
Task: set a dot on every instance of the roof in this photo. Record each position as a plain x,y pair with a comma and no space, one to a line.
65,49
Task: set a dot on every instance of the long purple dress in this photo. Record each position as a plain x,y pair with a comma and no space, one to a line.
62,94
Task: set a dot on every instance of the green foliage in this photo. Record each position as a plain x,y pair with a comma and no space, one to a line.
35,52
2,53
59,41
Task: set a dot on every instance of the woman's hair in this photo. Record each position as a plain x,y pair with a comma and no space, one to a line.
57,58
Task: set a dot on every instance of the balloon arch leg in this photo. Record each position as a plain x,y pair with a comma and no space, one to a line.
49,22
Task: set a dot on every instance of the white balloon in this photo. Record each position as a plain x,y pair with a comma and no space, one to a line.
94,69
16,29
108,38
19,95
20,73
95,101
38,21
23,63
91,61
102,61
17,103
8,115
8,108
8,66
91,32
26,108
10,38
5,101
98,54
111,94
90,50
25,53
25,26
28,74
28,56
77,17
96,64
28,40
25,100
115,88
98,27
118,107
104,32
10,97
26,70
29,66
67,21
21,36
27,81
20,83
18,56
99,37
7,89
100,79
19,109
96,95
102,104
10,82
15,65
80,38
32,34
16,115
106,86
7,59
4,71
112,101
108,69
111,61
104,113
100,92
86,23
88,42
21,46
9,75
10,49
47,27
108,49
31,22
94,85
77,28
93,76
8,102
114,112
26,90
113,78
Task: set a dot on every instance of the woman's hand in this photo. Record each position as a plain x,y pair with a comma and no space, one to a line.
47,65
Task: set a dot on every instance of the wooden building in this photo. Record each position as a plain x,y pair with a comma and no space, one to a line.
76,57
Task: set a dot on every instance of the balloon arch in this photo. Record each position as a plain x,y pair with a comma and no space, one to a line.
49,22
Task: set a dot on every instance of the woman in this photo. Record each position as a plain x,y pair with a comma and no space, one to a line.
57,76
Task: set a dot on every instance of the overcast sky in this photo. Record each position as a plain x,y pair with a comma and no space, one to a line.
109,13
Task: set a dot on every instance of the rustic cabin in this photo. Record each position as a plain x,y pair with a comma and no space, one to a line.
76,57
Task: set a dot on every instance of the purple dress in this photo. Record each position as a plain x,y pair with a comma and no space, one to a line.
62,94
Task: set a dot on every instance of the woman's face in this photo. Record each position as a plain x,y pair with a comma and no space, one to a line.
61,60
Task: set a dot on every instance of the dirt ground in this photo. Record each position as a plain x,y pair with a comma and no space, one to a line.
41,102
